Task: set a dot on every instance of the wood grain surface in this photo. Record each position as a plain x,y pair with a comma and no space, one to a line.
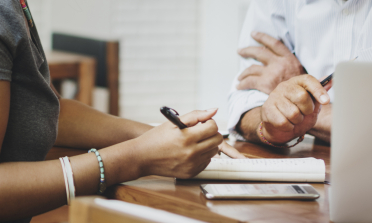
185,197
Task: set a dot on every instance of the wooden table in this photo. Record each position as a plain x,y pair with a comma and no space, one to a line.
82,68
184,196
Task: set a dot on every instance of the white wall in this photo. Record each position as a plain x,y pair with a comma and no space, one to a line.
221,21
41,12
180,53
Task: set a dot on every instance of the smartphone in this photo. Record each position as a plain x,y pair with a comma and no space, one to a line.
259,191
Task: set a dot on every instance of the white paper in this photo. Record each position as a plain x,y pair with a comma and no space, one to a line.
296,170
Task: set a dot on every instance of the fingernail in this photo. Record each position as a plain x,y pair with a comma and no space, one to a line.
254,33
324,98
240,50
211,109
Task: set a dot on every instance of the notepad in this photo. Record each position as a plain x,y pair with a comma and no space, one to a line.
288,170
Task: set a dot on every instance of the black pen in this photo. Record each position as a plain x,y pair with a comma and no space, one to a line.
329,78
325,81
173,117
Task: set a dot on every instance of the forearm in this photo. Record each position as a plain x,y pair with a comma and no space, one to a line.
81,126
249,123
322,128
31,188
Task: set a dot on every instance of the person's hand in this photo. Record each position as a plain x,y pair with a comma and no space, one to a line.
292,108
279,64
229,151
169,151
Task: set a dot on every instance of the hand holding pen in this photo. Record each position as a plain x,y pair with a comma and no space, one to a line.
172,116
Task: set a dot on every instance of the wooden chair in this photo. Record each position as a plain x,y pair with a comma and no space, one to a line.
82,68
106,54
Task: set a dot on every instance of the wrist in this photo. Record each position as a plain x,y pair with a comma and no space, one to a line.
121,162
264,136
274,143
141,156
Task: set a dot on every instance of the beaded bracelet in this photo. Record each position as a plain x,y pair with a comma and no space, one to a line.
300,139
102,182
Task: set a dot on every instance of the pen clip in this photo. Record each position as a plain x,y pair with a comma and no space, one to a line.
171,109
172,115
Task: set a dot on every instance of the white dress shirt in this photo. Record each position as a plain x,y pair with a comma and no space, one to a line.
321,33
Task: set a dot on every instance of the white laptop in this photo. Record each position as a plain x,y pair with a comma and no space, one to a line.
351,153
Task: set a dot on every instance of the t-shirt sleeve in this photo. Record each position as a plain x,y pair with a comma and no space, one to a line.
12,29
6,63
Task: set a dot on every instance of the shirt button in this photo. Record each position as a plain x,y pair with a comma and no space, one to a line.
345,12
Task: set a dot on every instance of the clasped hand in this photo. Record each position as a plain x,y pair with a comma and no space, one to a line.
279,64
292,108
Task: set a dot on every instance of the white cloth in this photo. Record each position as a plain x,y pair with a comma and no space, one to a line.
321,34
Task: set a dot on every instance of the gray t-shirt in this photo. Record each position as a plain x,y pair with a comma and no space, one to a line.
34,108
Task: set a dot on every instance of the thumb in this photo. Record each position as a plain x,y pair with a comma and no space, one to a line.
313,86
194,117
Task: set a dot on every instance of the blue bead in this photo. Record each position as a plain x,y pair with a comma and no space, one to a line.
99,158
102,170
100,164
103,175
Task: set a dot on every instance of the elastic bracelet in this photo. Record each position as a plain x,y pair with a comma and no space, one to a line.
300,139
70,177
66,181
102,181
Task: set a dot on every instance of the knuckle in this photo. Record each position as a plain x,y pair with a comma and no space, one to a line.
186,140
281,68
295,116
219,139
283,85
277,43
301,96
307,78
212,125
259,36
189,154
283,125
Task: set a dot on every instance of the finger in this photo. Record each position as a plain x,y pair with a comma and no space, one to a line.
250,82
313,86
209,154
273,44
217,156
277,120
230,151
259,53
194,117
300,98
210,143
290,111
203,131
252,70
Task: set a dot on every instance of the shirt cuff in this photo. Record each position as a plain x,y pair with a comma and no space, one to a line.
241,102
5,75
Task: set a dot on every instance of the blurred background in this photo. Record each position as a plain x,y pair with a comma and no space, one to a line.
178,53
